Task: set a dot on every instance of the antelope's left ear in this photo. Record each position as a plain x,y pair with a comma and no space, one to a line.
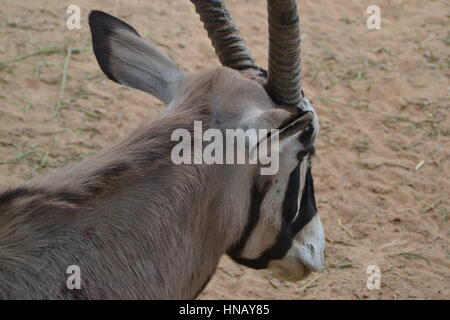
128,59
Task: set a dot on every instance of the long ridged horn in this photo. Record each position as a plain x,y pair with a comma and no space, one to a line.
224,35
284,78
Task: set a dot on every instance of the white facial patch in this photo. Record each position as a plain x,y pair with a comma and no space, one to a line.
309,245
266,231
303,168
306,253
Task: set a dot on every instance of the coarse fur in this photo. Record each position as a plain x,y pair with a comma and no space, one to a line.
137,225
128,217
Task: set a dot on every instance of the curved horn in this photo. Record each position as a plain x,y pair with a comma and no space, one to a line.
284,79
224,35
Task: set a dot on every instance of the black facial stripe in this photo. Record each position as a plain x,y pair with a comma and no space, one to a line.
306,136
290,203
288,230
308,207
257,197
285,236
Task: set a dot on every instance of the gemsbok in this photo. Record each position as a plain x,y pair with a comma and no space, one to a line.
139,226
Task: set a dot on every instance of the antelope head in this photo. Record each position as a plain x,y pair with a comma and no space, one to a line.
282,230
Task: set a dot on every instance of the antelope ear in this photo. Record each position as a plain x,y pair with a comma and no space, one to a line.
295,124
294,130
126,58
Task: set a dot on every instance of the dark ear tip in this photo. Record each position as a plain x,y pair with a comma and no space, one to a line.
95,15
102,22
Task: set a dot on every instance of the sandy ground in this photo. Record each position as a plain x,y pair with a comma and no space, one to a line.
382,169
